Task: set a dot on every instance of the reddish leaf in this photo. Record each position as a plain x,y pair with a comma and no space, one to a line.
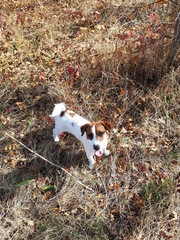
143,167
174,162
77,13
42,76
47,120
164,175
70,70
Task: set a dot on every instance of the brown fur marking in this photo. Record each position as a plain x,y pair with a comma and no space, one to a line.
84,128
107,125
71,113
89,133
100,128
100,131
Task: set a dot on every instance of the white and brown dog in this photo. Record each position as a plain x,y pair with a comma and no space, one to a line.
95,139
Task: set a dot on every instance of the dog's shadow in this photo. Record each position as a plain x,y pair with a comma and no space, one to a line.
66,153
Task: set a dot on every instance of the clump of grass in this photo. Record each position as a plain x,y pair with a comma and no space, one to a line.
15,222
156,193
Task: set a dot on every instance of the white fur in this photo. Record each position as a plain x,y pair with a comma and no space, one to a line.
72,124
58,109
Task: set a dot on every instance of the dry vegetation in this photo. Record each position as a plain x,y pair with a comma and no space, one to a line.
106,60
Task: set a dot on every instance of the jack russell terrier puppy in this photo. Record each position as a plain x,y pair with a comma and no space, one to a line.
93,135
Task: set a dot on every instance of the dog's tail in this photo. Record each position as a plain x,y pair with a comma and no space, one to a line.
58,109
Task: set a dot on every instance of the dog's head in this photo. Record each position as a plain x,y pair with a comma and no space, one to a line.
96,134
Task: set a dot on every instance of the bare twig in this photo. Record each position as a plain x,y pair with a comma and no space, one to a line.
46,160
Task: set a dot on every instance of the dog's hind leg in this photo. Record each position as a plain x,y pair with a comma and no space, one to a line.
57,135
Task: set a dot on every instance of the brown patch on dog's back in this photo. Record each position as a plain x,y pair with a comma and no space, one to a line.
71,113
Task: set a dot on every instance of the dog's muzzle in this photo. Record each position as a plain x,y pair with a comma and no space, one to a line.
97,151
96,147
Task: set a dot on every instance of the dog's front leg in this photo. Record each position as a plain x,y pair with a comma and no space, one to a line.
90,155
91,161
106,152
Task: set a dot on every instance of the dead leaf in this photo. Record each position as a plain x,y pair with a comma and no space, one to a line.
174,162
117,187
35,193
123,165
21,105
13,162
37,98
123,131
29,222
112,217
46,196
5,160
139,200
144,167
164,175
114,214
55,210
161,2
42,76
157,172
97,213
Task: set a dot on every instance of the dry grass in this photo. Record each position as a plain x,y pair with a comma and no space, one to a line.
105,60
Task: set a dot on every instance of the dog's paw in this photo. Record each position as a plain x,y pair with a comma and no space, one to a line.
56,139
107,152
91,166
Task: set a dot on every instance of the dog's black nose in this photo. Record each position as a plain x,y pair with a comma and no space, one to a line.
96,147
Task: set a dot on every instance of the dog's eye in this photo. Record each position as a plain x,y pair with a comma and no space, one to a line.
90,136
100,134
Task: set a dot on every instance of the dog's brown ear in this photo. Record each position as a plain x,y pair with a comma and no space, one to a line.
84,128
107,125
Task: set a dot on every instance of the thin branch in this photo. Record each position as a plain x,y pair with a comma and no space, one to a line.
46,160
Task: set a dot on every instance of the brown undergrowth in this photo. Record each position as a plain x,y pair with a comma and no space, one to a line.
105,60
